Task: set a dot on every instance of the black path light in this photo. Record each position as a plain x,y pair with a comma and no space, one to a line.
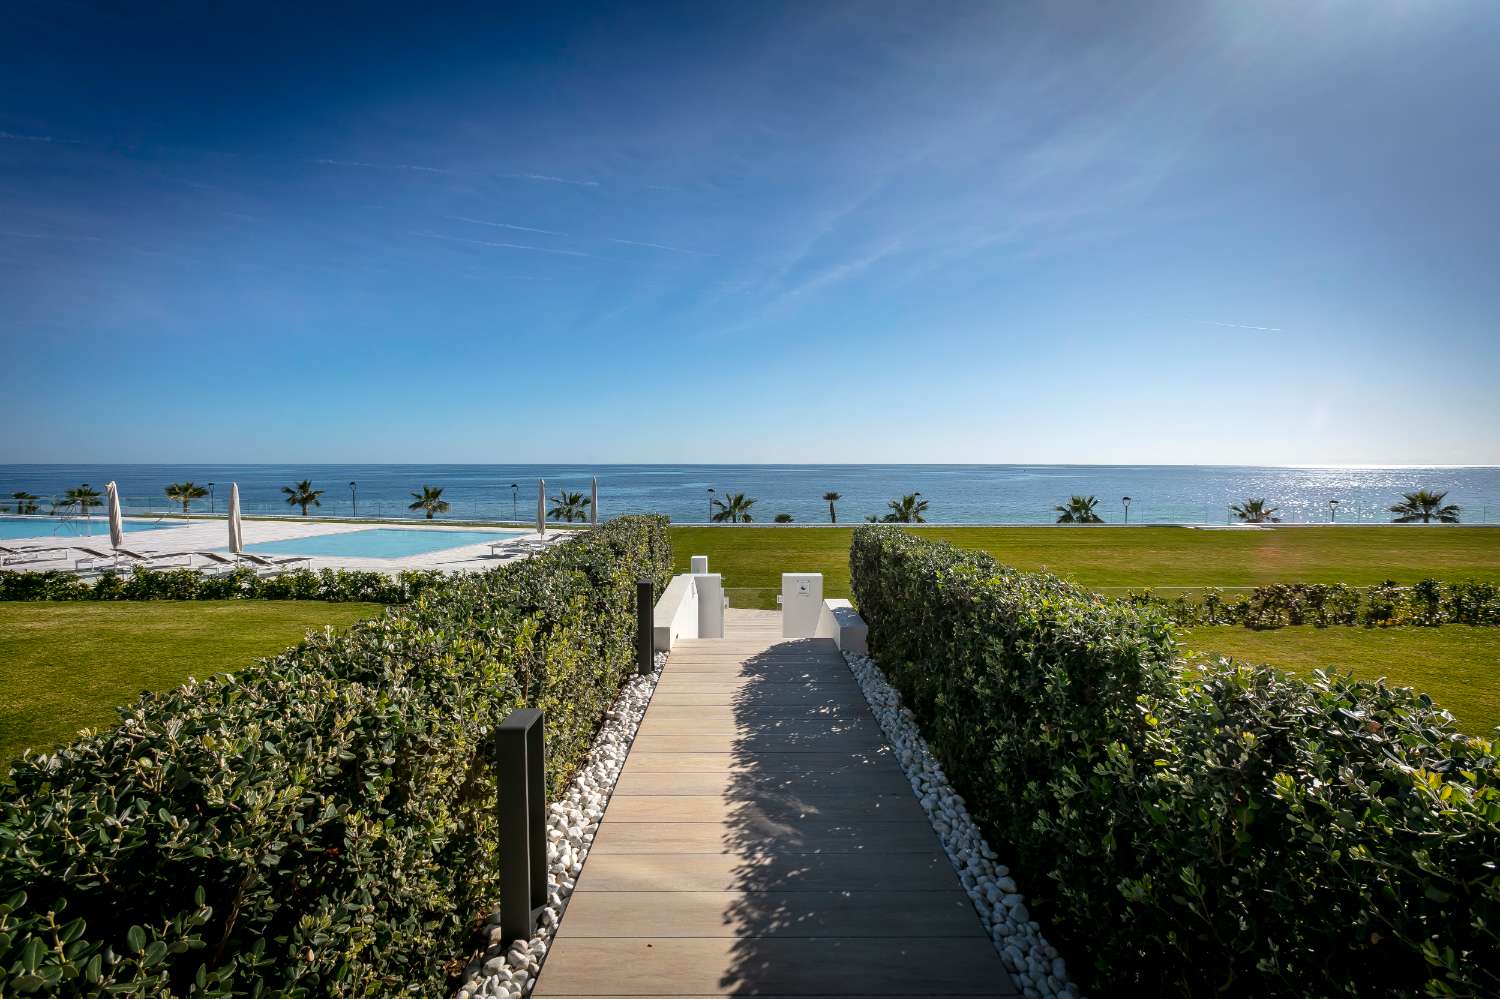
710,504
1333,506
645,659
521,809
515,511
210,497
354,497
1125,502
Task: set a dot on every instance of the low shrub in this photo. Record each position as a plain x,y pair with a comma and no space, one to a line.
187,584
1428,603
322,823
1230,830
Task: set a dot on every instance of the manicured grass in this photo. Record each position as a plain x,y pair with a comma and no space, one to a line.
1456,665
1113,559
65,665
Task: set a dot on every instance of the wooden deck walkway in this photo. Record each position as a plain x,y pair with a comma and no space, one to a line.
763,841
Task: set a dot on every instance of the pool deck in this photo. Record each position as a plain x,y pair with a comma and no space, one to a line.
212,535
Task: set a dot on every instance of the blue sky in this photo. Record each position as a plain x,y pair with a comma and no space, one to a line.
1065,232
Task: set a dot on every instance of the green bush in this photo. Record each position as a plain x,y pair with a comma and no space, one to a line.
1428,603
187,584
1227,830
320,824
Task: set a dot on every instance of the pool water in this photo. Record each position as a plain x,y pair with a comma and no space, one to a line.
380,542
12,528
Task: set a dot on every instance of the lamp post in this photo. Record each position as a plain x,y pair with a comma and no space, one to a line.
1125,502
1333,506
354,497
710,504
515,513
210,498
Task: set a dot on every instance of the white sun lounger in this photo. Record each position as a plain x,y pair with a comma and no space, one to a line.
275,565
23,556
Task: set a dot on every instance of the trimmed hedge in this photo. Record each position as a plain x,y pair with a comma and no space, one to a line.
1428,603
322,823
1230,830
243,583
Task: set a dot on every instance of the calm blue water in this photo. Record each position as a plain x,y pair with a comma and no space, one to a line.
955,493
12,528
380,542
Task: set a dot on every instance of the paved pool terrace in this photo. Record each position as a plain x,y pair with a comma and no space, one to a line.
327,545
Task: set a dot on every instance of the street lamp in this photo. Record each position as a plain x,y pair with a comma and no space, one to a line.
1125,502
710,504
354,497
210,497
1333,506
514,513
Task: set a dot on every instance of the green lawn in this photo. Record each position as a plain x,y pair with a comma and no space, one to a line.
64,666
1111,559
1458,666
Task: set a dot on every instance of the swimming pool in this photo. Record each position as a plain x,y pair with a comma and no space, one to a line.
74,527
380,542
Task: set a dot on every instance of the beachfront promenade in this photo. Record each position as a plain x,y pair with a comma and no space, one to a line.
762,840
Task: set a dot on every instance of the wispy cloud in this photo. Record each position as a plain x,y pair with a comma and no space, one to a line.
662,246
504,225
839,272
15,137
1240,326
51,235
503,246
382,166
549,179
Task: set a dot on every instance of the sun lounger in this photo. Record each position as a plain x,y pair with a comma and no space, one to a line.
274,565
23,556
96,559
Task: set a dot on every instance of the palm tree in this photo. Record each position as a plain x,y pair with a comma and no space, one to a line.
733,508
25,502
1080,510
80,498
830,499
185,493
907,510
783,518
1426,506
569,506
431,500
1255,511
303,495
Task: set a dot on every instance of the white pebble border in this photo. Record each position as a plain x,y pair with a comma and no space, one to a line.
503,973
1033,962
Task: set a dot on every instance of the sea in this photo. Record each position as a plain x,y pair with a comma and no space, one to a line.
955,494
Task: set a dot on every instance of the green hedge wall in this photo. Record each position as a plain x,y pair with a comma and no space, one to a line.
1428,603
320,824
1231,830
188,584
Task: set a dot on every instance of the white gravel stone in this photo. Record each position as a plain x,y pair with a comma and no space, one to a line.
1033,963
510,973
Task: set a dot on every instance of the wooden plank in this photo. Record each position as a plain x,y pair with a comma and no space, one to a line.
735,914
779,807
749,743
642,760
758,724
743,838
748,781
782,872
836,966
